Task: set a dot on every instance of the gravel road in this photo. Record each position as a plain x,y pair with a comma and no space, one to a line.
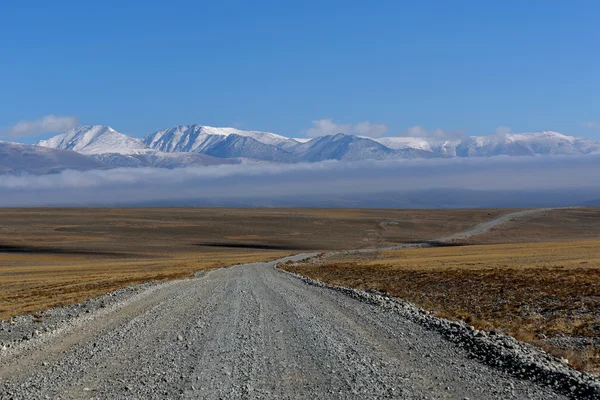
518,216
250,332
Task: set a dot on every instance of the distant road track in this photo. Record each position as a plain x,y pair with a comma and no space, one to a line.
489,225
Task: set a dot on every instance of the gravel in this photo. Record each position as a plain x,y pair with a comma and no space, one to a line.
505,353
17,330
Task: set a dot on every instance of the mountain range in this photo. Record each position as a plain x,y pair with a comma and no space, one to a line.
97,146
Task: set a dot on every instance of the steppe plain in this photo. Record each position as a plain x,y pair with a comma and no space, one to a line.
535,277
52,257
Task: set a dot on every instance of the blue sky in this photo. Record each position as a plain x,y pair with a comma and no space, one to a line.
280,65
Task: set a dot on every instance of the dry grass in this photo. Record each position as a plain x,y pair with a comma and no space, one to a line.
37,282
543,293
51,257
168,230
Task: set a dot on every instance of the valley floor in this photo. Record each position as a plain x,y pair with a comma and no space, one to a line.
53,257
251,331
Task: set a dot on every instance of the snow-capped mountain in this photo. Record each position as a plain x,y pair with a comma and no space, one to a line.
95,139
115,149
161,159
266,146
524,144
193,145
399,143
542,143
350,148
536,143
186,138
244,147
230,142
17,158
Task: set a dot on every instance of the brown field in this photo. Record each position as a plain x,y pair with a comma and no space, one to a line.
545,293
51,257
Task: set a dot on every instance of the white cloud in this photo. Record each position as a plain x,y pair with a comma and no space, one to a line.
419,131
503,130
243,184
591,124
324,127
46,124
368,129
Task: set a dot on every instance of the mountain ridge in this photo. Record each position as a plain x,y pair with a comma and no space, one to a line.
186,138
188,145
18,159
95,139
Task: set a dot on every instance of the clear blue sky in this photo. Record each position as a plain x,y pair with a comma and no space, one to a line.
141,66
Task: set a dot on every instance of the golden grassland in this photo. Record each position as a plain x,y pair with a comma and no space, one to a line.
33,282
51,257
547,293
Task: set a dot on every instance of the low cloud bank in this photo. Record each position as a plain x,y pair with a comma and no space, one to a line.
46,124
130,186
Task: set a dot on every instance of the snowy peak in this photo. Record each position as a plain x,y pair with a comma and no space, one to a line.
542,135
399,143
512,144
524,144
348,148
95,139
195,137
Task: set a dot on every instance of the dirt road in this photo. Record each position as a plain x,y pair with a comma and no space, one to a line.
250,332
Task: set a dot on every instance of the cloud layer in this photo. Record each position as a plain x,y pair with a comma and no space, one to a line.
46,124
323,127
321,180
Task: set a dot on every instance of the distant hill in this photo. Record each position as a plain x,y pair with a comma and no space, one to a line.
17,159
197,145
